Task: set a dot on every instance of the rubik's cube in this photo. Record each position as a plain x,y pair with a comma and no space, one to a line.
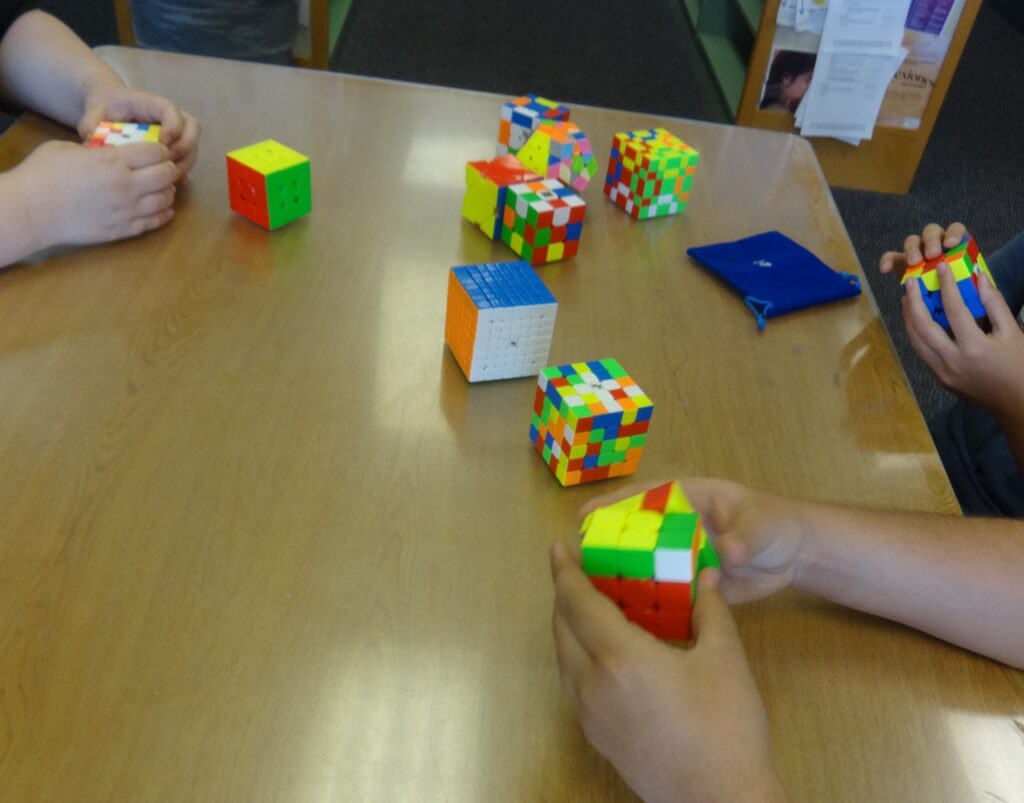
543,221
645,553
967,265
122,134
499,320
269,183
590,421
560,150
487,185
521,116
650,173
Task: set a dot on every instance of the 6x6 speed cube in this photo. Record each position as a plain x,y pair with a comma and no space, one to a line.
650,173
967,265
560,150
645,553
499,320
521,116
486,189
590,421
123,134
543,221
269,183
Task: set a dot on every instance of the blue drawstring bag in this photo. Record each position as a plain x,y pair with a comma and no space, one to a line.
775,275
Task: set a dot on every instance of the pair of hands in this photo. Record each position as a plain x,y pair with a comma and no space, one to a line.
87,195
681,723
985,369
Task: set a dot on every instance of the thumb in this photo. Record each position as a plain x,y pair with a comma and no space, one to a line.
90,119
713,625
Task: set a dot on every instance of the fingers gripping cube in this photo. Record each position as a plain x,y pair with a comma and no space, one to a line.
107,134
590,421
269,183
650,173
499,320
967,265
645,553
521,116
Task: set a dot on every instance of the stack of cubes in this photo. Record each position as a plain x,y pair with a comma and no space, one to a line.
967,265
645,554
590,421
543,221
112,134
487,185
520,117
650,173
561,151
499,320
269,183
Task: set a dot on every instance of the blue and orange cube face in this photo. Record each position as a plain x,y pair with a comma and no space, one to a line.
967,265
521,116
645,553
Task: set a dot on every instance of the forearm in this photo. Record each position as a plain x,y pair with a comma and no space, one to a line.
18,230
961,580
45,67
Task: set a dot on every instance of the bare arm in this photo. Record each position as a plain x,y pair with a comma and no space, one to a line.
45,67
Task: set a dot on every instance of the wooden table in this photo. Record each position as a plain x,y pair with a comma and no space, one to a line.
260,541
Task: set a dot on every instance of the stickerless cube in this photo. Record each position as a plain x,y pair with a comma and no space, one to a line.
269,183
499,320
590,421
521,116
560,150
487,185
645,553
543,221
107,134
650,173
967,265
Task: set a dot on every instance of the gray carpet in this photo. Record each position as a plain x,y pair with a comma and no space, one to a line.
589,51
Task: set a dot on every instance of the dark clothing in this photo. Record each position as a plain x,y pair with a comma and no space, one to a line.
972,445
10,10
252,30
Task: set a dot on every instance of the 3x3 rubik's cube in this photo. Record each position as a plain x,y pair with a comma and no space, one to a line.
645,554
109,134
967,265
650,173
590,421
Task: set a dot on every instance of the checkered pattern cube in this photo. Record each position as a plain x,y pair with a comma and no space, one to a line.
521,116
560,150
590,421
967,264
650,173
645,553
487,185
499,320
269,183
543,221
107,134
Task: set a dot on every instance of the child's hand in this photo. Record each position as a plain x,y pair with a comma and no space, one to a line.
932,242
674,723
179,131
759,537
986,369
89,195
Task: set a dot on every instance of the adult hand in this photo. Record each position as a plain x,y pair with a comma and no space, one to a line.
759,537
676,724
87,195
179,131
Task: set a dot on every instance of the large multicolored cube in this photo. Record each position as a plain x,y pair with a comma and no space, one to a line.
487,185
521,116
560,150
543,221
269,183
108,134
650,173
967,265
645,554
590,421
499,320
